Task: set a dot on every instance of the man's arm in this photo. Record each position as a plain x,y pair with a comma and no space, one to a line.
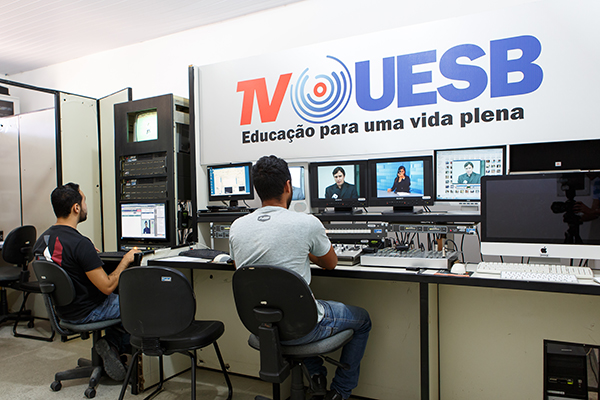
328,261
108,283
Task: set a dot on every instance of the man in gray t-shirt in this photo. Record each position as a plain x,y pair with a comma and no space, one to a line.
274,235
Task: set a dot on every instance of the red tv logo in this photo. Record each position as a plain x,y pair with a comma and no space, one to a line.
268,109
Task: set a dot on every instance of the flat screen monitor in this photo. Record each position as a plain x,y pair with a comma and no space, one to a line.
537,215
144,221
338,184
401,182
230,182
458,172
142,126
300,197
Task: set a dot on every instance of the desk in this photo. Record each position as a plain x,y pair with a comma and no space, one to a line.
434,304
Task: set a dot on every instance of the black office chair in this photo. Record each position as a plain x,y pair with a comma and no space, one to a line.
276,304
58,290
18,250
158,306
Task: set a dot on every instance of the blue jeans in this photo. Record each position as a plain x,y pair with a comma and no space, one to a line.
115,335
339,317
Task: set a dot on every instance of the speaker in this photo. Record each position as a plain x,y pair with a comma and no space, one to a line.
555,156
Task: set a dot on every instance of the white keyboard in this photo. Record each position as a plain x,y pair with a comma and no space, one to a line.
538,276
498,267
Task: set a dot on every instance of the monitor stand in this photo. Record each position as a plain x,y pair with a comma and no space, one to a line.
400,210
234,205
343,210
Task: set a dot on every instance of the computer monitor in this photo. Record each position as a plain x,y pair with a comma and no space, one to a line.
144,221
535,215
142,126
458,172
338,184
230,182
300,196
401,182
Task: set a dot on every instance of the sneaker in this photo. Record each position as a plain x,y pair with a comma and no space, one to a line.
112,363
333,395
319,385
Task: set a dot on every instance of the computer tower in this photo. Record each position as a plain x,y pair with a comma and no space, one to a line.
565,371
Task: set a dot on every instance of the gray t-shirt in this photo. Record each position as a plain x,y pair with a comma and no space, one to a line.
280,237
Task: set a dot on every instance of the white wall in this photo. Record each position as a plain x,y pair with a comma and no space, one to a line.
161,66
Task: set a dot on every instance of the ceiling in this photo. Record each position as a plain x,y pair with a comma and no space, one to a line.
38,33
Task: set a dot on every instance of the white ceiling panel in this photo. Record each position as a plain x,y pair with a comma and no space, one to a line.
38,33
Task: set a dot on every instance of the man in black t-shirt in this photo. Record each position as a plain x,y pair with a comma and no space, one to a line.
94,298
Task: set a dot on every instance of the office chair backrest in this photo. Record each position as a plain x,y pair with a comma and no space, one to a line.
18,245
155,301
259,287
55,282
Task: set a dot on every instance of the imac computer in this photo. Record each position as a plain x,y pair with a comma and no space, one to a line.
458,172
300,196
338,184
144,222
401,182
230,182
539,215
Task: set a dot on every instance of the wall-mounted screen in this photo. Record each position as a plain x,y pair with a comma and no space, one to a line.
230,182
401,182
142,126
458,172
144,221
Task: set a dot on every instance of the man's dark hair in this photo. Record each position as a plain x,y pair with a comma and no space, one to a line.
338,169
269,176
469,163
64,197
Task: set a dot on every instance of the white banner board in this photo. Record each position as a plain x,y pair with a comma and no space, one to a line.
524,74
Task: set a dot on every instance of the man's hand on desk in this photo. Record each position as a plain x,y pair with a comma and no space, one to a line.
129,257
328,261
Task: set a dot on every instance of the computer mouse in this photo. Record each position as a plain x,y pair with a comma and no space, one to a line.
458,268
222,258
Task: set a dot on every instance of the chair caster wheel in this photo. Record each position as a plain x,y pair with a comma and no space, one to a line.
90,393
30,324
56,386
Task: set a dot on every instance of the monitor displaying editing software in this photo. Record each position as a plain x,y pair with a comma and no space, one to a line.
338,184
401,182
458,172
540,215
230,182
141,221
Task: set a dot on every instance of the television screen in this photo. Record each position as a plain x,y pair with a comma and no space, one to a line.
143,126
230,182
143,221
401,182
339,184
458,172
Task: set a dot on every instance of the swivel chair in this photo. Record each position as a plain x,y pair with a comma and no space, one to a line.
58,290
276,305
158,307
18,250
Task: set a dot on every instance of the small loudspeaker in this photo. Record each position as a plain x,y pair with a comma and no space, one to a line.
300,206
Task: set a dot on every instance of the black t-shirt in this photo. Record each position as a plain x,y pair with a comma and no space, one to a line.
77,255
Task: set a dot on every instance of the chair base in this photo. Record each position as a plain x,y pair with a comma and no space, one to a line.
84,369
